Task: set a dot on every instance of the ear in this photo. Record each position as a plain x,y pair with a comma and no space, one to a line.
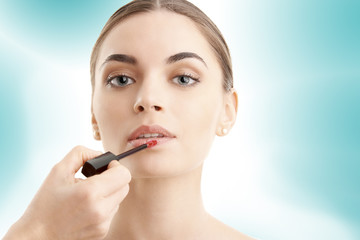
96,131
228,115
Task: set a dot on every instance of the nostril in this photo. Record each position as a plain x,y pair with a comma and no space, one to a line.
141,108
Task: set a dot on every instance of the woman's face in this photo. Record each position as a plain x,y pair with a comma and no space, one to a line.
157,78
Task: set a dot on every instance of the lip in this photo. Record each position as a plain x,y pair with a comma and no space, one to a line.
145,129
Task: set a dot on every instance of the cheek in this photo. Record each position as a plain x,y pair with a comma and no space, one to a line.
111,114
200,121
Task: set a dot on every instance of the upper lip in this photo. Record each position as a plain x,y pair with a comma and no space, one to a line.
144,129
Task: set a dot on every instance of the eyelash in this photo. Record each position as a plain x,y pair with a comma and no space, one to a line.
174,79
111,78
187,75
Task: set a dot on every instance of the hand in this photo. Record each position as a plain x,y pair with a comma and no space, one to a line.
69,208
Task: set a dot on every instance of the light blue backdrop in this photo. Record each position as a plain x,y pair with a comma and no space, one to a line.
297,70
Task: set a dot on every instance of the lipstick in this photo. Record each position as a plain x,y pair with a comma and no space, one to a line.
146,133
100,163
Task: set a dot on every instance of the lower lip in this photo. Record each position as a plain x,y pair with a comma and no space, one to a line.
138,142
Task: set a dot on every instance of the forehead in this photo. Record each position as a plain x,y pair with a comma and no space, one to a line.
156,35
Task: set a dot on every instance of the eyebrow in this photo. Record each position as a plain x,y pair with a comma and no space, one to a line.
120,58
182,55
172,59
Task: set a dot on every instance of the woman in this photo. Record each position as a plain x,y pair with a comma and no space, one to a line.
159,70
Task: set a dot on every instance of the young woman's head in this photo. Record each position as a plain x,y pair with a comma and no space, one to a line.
161,69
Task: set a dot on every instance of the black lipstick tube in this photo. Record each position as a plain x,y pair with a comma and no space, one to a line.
100,163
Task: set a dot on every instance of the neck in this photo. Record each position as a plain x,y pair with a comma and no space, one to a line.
161,208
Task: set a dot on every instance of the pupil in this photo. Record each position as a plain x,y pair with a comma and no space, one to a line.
184,79
122,79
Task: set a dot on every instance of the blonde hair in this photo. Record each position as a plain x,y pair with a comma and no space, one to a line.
182,7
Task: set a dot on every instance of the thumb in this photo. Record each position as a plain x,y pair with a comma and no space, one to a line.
113,163
76,158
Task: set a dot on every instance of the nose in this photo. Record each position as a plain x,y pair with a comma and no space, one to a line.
148,99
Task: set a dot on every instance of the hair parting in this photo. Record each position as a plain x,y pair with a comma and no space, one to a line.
182,7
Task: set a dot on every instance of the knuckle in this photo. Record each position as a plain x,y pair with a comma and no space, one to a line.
78,148
125,173
101,230
97,216
86,194
125,191
95,213
122,193
77,151
56,169
83,152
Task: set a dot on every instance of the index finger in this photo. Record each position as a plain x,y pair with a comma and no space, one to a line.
112,180
76,158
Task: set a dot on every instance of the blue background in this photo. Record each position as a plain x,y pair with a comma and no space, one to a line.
297,70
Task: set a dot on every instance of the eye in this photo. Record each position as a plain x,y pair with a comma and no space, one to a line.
185,80
119,81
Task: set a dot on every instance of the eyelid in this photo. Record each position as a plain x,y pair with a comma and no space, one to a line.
189,75
111,70
115,75
119,73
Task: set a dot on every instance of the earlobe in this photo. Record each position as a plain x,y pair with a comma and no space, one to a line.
96,131
228,116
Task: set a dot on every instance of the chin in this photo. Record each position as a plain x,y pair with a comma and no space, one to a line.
158,166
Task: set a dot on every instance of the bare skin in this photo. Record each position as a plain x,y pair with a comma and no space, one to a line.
70,208
154,194
165,200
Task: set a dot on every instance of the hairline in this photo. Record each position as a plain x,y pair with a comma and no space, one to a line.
210,37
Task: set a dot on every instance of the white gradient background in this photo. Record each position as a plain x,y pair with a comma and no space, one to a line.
289,169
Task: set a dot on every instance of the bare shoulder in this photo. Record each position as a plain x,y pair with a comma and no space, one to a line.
219,230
